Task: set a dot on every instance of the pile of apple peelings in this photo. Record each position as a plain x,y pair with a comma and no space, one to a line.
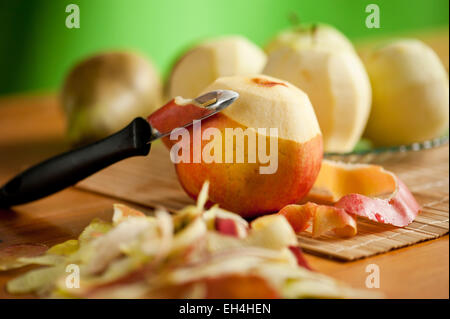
351,190
194,253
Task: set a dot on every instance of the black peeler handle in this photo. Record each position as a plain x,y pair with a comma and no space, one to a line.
71,167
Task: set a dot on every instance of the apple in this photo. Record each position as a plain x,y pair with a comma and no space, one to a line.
308,36
201,65
103,93
264,102
328,69
410,94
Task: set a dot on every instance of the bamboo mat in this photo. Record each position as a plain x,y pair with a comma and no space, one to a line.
152,181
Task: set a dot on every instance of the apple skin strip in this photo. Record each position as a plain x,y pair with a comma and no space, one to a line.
352,190
236,286
399,210
226,226
10,256
122,212
356,189
298,254
323,218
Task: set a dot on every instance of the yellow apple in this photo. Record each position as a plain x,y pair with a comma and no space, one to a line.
410,94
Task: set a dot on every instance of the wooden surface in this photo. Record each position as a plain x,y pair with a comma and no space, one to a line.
32,129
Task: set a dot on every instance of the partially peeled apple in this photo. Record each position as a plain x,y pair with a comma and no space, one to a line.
410,94
264,103
209,60
103,93
322,62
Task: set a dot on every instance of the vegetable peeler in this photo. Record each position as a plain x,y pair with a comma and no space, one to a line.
64,170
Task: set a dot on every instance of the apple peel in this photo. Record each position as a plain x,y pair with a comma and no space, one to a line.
10,257
122,212
399,210
170,256
323,218
226,226
298,254
368,191
238,286
352,190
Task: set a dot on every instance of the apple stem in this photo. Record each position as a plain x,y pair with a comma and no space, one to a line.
314,32
294,19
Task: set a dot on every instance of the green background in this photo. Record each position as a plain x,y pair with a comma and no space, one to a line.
36,48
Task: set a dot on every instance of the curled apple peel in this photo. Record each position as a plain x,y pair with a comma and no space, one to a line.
227,226
322,218
122,212
10,256
400,209
352,190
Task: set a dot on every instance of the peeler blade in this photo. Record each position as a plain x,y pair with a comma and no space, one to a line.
167,120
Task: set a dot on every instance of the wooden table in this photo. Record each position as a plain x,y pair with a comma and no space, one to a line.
32,129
